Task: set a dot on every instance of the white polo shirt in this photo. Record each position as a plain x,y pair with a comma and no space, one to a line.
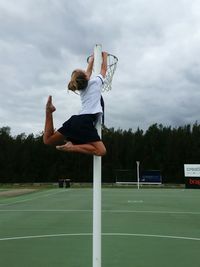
91,96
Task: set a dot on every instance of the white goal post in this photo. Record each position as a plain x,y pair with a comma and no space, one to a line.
97,177
111,67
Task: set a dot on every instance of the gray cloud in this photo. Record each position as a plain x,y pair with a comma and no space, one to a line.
157,43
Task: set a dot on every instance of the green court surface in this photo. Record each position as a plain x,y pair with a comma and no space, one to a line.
140,228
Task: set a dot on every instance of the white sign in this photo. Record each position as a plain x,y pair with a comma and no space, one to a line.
192,170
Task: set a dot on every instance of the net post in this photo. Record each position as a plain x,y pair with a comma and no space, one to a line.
138,174
97,178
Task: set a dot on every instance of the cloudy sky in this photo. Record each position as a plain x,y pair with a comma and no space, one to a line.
157,43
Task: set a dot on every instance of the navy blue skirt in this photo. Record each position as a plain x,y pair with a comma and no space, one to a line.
80,129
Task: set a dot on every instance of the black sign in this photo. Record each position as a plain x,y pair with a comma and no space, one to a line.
193,182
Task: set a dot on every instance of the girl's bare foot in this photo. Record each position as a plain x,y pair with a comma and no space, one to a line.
49,106
65,147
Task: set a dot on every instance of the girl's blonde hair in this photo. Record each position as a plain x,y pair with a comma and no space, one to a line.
78,81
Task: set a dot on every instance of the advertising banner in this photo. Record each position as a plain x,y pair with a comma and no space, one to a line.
192,176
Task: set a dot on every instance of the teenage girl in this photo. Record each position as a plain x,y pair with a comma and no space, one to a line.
79,131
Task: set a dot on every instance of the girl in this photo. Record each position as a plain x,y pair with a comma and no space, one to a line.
79,130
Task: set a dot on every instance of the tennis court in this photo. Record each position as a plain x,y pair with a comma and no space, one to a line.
146,227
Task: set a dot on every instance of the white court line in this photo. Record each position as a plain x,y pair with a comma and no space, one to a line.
135,201
53,210
153,211
103,234
33,198
103,211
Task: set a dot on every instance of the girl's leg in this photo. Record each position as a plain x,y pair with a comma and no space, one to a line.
95,148
50,137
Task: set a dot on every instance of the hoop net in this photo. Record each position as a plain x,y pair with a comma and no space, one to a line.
111,67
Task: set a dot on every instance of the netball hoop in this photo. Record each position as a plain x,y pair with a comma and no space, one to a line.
111,67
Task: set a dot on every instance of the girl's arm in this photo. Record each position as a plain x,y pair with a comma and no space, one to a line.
104,64
90,66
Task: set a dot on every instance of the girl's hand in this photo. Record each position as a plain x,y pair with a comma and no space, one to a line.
91,59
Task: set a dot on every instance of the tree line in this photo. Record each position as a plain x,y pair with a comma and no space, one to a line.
24,158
